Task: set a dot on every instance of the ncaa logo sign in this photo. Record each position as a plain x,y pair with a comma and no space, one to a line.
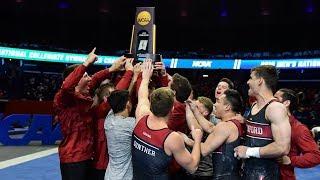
201,64
143,18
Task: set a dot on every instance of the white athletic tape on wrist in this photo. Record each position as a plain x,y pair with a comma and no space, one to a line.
253,152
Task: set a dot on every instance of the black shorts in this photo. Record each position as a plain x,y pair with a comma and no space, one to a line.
76,171
98,174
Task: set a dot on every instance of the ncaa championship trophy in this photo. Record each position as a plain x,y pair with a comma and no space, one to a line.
143,37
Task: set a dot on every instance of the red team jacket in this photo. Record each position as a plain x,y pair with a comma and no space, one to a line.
74,114
177,119
177,122
304,152
101,157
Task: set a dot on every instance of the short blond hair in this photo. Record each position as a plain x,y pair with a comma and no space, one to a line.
161,101
208,104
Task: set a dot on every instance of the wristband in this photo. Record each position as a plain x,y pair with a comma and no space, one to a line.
253,152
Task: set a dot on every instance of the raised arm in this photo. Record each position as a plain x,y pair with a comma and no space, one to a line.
71,81
206,125
162,75
126,78
98,77
136,71
74,77
138,82
143,107
191,120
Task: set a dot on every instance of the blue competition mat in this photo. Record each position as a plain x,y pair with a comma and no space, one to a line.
47,168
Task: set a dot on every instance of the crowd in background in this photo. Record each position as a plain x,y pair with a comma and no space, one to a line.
199,53
19,82
32,81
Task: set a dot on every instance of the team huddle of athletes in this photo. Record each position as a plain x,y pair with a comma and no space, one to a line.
135,121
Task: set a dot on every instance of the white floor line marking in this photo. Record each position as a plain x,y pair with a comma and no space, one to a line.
26,158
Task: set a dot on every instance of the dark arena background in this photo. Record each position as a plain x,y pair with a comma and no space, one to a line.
203,40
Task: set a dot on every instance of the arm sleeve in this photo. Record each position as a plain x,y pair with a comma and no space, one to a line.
164,80
104,109
98,77
73,79
310,154
125,81
138,82
65,94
